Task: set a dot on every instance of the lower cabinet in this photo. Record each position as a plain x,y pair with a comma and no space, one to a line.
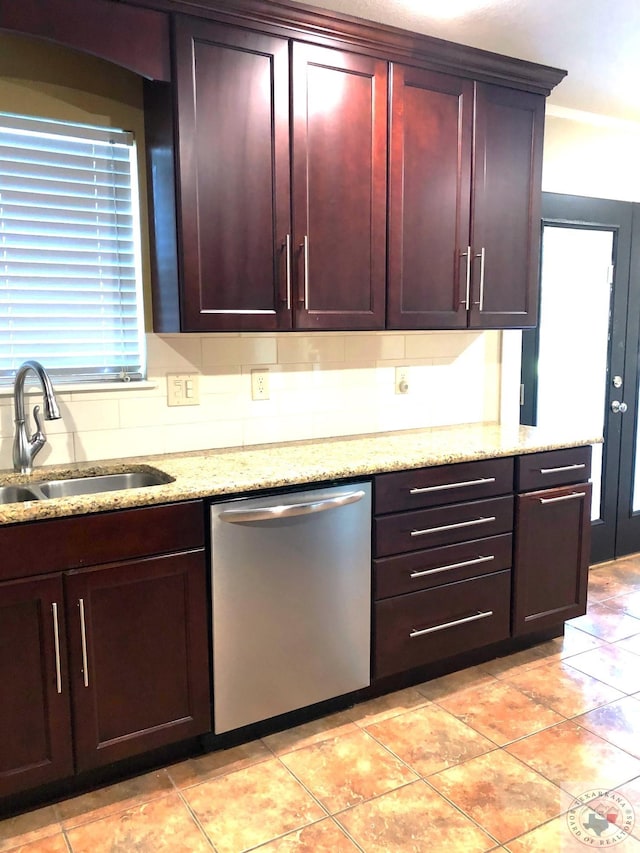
552,539
104,662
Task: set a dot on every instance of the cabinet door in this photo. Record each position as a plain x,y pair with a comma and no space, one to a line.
35,723
234,208
429,199
139,658
551,557
339,169
507,169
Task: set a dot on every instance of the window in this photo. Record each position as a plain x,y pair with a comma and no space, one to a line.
70,280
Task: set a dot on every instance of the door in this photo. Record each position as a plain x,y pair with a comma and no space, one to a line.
35,721
505,231
339,186
580,367
139,657
233,167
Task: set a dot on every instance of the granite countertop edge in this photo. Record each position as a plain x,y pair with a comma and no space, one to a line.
233,471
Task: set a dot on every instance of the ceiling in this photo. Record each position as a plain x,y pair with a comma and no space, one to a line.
596,41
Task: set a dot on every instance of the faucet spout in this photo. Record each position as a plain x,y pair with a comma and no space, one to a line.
26,447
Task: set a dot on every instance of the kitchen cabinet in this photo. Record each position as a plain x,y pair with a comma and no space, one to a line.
442,568
267,242
464,202
35,719
553,529
108,660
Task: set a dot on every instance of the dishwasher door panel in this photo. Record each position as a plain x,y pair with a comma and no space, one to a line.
291,602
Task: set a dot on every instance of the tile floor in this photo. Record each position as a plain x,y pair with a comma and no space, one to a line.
491,758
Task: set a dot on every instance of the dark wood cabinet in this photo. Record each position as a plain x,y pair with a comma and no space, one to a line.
244,264
103,662
552,538
35,719
464,202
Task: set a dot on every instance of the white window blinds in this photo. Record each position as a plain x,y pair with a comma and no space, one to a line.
70,279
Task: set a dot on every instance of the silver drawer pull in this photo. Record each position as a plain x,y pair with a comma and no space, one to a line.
456,526
562,468
461,565
56,645
444,486
435,628
572,497
83,636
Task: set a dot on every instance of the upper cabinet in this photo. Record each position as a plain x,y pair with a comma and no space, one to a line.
464,189
281,211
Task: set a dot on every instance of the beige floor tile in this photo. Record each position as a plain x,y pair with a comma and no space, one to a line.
576,760
214,764
322,837
628,603
413,819
557,837
500,712
314,731
564,689
52,844
504,667
252,806
28,827
572,642
630,644
618,723
376,710
610,664
113,799
503,795
606,623
603,586
455,682
430,739
347,770
161,826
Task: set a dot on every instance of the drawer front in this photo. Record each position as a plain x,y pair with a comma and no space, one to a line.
443,484
436,566
429,528
417,629
553,468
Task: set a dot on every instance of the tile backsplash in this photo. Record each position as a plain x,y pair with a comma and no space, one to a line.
321,384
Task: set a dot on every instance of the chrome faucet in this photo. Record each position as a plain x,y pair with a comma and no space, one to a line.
24,447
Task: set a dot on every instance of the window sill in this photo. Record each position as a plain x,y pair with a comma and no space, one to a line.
79,387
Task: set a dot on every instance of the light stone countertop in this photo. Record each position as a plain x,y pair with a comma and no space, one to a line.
232,471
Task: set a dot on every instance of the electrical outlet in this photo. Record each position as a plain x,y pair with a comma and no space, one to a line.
183,389
402,380
260,384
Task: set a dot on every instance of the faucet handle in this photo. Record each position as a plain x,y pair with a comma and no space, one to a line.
39,433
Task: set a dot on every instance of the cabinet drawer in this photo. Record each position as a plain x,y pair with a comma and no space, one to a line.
436,566
553,468
443,484
417,629
445,525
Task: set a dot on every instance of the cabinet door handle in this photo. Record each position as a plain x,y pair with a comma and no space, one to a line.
480,303
572,497
460,565
467,297
56,646
483,615
305,253
287,249
444,486
456,526
83,636
562,468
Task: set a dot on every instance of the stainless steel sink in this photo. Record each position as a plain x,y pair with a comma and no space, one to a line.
77,486
101,483
16,494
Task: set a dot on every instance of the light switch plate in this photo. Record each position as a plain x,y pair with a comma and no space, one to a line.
183,389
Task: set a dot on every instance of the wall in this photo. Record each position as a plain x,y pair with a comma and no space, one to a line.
321,384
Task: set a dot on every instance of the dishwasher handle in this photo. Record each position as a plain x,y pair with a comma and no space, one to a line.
273,513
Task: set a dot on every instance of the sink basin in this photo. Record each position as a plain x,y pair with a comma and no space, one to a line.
16,494
101,483
77,486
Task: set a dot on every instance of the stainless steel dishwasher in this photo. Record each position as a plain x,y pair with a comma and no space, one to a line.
291,586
